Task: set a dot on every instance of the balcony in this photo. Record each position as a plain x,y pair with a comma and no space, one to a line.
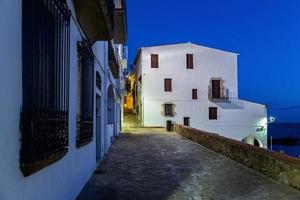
218,95
113,60
120,22
96,18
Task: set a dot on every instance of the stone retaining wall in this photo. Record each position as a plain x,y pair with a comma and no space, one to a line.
280,167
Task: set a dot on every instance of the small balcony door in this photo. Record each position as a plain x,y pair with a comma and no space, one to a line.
216,89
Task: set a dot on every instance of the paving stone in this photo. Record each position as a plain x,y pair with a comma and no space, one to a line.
151,164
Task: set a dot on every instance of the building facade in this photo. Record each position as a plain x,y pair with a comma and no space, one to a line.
196,86
60,93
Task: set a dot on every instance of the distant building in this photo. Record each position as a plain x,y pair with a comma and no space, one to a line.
196,86
60,93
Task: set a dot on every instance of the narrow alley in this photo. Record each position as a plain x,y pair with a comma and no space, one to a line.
151,164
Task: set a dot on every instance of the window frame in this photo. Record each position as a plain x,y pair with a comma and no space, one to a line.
189,61
154,61
213,113
168,107
85,111
45,82
194,94
168,85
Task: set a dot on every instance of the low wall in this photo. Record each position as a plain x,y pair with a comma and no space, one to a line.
280,167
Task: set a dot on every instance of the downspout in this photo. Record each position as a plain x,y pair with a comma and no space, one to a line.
143,82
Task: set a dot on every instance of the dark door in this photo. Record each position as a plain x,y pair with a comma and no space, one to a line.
216,89
186,121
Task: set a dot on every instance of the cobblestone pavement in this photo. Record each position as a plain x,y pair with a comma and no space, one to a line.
151,164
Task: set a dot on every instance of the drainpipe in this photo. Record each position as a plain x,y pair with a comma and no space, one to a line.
143,82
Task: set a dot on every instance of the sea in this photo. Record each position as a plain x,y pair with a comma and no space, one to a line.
285,138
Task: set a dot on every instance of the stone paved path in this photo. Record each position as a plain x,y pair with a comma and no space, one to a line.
155,165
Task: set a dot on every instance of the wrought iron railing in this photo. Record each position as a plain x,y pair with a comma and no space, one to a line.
86,95
45,76
222,94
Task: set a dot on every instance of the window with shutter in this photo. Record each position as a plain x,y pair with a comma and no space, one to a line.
168,110
194,94
168,85
189,61
154,60
213,113
45,79
85,94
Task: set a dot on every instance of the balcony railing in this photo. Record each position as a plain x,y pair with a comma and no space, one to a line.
96,18
119,4
218,95
120,20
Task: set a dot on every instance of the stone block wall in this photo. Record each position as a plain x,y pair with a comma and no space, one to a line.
280,167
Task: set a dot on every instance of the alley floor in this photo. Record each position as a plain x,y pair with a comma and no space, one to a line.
150,164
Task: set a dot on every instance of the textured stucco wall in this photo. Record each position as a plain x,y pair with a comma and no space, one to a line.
280,167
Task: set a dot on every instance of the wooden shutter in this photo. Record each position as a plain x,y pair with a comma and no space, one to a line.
154,60
213,113
168,85
168,109
216,89
194,95
189,61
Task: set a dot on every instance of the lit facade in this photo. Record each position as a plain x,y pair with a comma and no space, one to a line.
196,86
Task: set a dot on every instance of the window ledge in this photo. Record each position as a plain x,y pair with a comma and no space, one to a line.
34,166
81,143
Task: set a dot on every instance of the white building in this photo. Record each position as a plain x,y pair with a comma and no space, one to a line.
59,93
196,86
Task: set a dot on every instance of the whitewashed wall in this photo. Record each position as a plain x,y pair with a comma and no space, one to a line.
208,63
64,179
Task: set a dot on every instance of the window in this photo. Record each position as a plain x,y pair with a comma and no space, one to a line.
213,113
216,89
189,61
168,109
98,80
45,76
194,94
154,60
85,94
186,121
168,85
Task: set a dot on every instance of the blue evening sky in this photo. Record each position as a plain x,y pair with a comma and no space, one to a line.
266,34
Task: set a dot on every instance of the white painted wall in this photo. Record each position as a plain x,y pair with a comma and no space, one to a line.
64,179
208,63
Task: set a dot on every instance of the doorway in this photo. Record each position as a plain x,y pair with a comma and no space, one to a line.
186,121
216,89
98,129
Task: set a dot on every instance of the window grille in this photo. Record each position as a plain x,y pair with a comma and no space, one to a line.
85,94
45,76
